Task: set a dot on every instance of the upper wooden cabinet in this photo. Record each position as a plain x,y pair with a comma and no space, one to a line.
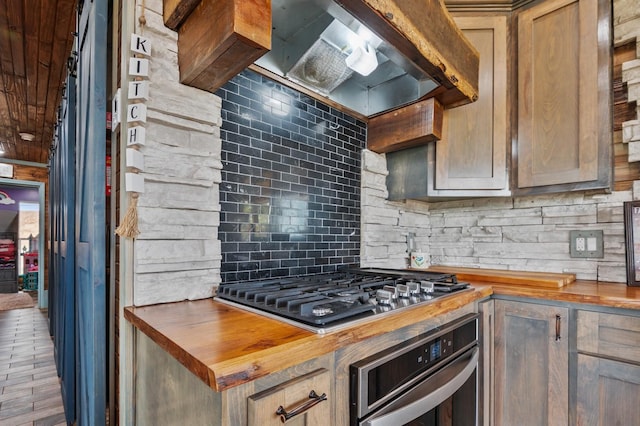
470,159
564,86
472,154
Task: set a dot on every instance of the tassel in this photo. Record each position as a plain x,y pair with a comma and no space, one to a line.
129,225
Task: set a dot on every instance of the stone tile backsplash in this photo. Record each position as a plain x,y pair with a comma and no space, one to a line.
290,191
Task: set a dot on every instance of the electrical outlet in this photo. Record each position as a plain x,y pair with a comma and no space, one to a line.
587,244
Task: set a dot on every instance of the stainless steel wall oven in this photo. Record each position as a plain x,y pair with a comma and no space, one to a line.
429,380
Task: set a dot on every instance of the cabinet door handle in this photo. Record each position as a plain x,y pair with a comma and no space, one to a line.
314,399
558,319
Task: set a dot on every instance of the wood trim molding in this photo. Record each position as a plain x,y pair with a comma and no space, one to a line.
406,127
484,5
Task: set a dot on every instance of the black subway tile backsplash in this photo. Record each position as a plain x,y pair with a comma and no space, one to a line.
290,191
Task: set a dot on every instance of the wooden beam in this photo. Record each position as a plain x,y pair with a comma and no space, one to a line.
425,33
210,55
405,127
175,12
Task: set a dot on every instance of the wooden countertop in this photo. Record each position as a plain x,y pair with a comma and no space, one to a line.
615,295
225,346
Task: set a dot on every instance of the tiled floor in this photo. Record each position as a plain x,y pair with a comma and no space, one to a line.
29,386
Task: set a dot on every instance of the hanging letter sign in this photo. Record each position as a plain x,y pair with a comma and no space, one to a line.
137,94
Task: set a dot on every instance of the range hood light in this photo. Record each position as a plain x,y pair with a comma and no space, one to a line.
363,60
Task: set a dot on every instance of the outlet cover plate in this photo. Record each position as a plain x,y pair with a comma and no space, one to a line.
592,240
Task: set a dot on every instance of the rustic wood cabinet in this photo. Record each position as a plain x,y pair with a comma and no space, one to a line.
564,86
608,369
303,398
166,393
471,157
542,122
531,368
608,392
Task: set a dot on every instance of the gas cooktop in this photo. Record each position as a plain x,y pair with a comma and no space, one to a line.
326,302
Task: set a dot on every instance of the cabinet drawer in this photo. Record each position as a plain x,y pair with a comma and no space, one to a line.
289,395
611,335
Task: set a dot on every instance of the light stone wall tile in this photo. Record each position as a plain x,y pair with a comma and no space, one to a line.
633,88
165,287
180,196
634,150
549,251
471,205
614,197
484,233
373,162
172,251
610,213
612,273
509,220
631,131
631,70
375,181
466,262
177,254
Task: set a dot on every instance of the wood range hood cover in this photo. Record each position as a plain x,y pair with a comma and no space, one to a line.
217,39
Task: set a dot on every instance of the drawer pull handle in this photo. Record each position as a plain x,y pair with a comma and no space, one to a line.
558,337
314,399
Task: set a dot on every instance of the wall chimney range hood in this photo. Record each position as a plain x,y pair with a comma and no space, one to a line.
371,56
314,42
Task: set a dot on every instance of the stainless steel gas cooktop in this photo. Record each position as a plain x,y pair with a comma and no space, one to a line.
326,302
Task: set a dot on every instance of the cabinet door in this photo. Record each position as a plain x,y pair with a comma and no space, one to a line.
608,392
262,407
564,118
531,364
472,154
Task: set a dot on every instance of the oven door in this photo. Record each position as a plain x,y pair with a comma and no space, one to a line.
448,397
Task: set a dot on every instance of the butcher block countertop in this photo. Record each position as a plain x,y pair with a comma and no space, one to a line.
225,346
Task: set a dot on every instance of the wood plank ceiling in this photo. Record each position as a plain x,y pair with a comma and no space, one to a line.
36,37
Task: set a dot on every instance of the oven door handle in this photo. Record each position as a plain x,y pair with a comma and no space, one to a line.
428,394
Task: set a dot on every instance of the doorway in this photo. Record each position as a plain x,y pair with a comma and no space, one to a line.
22,220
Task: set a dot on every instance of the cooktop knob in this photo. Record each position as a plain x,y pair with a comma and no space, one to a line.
384,297
414,288
426,287
391,289
403,290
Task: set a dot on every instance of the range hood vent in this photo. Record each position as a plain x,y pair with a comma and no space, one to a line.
322,67
403,43
311,41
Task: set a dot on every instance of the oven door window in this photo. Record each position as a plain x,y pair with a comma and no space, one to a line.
447,398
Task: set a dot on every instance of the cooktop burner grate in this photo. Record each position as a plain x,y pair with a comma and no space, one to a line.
320,301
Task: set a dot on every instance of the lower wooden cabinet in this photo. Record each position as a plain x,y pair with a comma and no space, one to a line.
304,399
608,392
531,367
608,372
